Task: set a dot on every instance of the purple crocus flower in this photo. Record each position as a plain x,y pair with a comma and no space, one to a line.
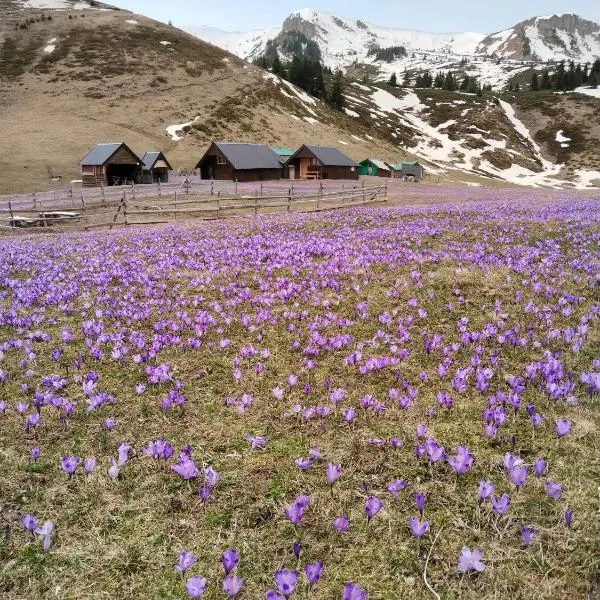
420,502
396,486
123,452
303,463
527,535
271,595
340,524
88,465
313,572
486,489
29,523
230,560
418,528
372,506
295,511
501,504
187,469
554,490
470,560
562,427
354,592
286,581
195,587
539,466
46,532
69,464
332,472
113,470
568,518
232,585
296,548
518,475
109,424
34,453
186,560
462,461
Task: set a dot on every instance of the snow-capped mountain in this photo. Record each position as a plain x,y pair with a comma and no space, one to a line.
494,59
554,37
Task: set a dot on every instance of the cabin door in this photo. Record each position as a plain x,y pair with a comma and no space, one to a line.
304,167
292,172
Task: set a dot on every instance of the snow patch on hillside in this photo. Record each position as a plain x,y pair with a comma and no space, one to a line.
173,130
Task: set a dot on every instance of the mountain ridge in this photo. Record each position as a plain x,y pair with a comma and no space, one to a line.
494,59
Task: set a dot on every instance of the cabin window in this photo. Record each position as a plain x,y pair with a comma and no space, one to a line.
221,160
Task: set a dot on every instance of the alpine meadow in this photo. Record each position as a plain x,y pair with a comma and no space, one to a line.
305,313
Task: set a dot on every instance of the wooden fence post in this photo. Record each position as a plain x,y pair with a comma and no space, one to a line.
103,198
289,205
85,216
236,188
125,206
212,183
159,189
12,217
175,213
256,205
133,190
218,204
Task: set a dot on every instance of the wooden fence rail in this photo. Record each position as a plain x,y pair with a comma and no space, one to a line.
130,209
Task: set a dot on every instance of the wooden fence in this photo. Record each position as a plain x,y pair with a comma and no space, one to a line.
130,209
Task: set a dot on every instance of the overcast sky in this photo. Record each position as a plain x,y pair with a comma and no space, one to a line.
434,15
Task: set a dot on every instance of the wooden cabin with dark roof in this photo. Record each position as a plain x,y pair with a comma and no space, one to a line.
239,162
320,162
110,164
155,168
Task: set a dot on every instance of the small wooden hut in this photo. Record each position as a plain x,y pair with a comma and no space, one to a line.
110,164
239,162
155,168
320,162
409,171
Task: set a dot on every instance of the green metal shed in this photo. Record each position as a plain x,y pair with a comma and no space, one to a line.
373,166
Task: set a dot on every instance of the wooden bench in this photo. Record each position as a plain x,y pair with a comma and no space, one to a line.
59,216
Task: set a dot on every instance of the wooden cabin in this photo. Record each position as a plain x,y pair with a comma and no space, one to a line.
155,168
239,162
374,167
320,162
409,171
110,164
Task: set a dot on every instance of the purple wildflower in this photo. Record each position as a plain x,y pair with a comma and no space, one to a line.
230,560
313,572
554,490
195,587
340,524
418,528
286,581
232,585
353,592
372,506
186,560
470,560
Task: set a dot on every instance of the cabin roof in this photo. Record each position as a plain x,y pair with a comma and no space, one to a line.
101,153
249,156
331,157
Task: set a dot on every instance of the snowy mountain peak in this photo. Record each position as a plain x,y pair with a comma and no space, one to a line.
360,47
552,37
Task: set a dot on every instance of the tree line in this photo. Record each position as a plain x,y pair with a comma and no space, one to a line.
445,81
564,79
